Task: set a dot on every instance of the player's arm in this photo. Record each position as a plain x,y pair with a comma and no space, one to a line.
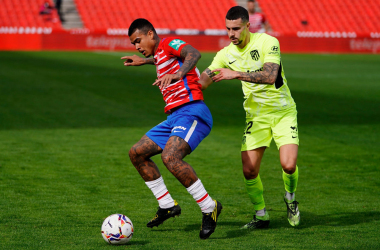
267,27
136,60
267,76
206,78
190,57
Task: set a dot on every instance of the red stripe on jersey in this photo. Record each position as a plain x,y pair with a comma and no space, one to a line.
202,199
159,198
168,60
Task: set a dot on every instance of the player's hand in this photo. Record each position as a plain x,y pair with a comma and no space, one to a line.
166,80
133,60
224,74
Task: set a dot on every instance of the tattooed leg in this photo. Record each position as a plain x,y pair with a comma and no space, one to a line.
140,155
175,150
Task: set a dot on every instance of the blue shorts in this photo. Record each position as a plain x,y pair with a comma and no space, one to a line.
191,121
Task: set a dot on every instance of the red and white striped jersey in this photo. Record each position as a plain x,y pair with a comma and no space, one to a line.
168,61
257,22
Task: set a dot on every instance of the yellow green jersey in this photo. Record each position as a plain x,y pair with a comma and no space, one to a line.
259,98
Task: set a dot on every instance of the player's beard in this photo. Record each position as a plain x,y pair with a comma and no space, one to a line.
239,42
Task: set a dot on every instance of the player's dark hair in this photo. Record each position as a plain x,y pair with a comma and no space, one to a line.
142,25
237,12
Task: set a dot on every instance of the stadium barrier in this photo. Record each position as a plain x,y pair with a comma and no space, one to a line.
36,39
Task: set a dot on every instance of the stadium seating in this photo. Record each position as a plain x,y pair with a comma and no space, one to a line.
290,16
22,13
169,14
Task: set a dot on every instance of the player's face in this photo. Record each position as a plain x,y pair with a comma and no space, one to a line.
144,43
251,7
237,31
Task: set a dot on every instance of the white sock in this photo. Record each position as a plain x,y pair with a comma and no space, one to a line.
200,195
290,196
260,212
161,193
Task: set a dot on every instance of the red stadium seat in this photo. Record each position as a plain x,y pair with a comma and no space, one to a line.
323,15
195,14
21,13
283,16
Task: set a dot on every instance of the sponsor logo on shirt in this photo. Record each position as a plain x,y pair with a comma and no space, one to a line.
274,51
274,48
255,55
176,43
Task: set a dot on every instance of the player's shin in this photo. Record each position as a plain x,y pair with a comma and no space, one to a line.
161,193
290,182
255,191
201,196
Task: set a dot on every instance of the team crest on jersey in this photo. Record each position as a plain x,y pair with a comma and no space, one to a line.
176,43
255,55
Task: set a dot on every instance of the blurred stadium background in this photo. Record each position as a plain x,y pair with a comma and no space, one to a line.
335,26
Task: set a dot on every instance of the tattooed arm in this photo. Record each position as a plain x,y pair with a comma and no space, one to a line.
267,76
190,57
206,78
136,60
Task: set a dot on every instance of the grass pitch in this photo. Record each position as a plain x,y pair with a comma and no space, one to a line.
67,121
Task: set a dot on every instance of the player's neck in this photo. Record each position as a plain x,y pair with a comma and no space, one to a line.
157,40
245,42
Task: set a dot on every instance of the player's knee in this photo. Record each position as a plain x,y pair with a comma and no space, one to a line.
169,160
289,167
133,155
250,173
165,159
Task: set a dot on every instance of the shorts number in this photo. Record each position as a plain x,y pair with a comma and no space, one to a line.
249,126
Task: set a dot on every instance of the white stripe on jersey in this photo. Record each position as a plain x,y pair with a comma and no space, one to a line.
191,130
176,93
197,71
173,103
174,66
160,58
174,83
166,63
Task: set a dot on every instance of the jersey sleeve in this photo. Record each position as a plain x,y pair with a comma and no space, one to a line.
271,50
263,20
219,61
174,46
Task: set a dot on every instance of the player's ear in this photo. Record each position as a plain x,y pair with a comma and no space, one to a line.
151,34
248,24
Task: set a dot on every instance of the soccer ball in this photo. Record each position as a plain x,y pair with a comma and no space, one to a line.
117,229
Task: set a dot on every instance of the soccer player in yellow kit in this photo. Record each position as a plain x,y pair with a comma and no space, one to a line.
254,58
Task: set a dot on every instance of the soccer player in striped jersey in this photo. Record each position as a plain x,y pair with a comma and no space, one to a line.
189,121
254,58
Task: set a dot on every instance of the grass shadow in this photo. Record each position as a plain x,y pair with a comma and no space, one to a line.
309,220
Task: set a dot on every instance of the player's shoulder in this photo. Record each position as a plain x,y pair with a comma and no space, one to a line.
172,43
171,39
225,50
263,37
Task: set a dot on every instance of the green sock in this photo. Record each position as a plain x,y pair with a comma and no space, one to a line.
290,181
255,192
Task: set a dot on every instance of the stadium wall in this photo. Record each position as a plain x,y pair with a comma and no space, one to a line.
37,39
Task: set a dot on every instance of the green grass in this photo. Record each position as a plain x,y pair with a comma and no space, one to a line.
67,121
